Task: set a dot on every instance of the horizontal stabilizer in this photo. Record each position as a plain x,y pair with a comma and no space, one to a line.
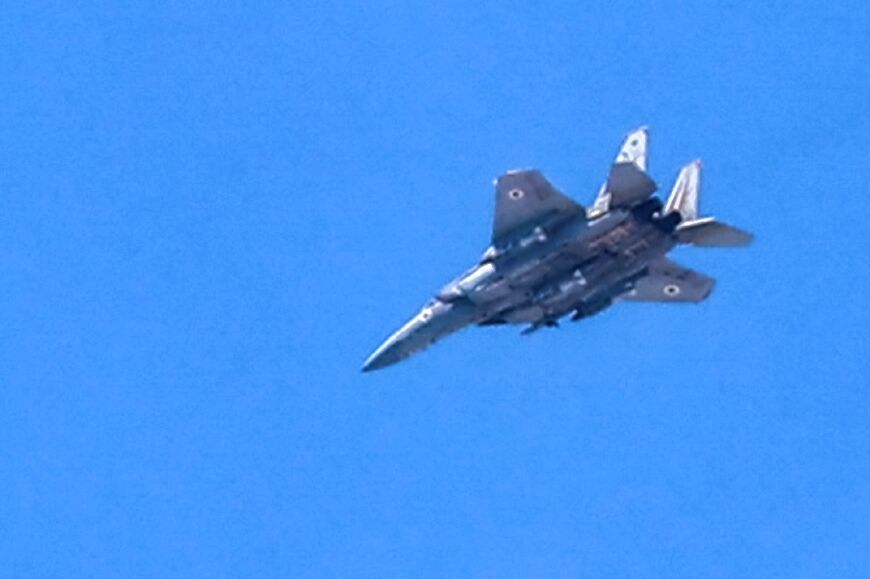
708,232
702,232
628,184
670,282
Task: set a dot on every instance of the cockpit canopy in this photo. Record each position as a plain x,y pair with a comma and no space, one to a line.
467,282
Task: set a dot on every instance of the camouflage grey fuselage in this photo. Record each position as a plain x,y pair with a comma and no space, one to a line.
551,258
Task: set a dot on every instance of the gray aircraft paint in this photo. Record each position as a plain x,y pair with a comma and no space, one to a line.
550,257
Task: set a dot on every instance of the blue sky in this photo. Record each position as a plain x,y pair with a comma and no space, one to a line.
211,213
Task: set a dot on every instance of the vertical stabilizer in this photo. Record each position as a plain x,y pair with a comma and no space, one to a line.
685,194
628,181
634,148
699,231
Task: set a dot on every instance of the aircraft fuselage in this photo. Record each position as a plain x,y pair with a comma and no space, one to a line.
577,267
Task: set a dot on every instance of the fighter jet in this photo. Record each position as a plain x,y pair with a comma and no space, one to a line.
550,257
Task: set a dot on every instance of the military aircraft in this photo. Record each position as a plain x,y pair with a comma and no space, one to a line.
550,257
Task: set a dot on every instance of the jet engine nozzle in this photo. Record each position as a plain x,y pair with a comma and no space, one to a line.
669,222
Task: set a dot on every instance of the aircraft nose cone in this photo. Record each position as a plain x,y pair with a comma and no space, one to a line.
373,364
388,353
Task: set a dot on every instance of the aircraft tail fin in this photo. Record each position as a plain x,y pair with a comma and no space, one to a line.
699,231
627,181
684,196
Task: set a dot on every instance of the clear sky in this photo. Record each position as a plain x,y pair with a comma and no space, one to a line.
211,213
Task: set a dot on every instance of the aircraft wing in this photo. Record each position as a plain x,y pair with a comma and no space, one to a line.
668,281
525,199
